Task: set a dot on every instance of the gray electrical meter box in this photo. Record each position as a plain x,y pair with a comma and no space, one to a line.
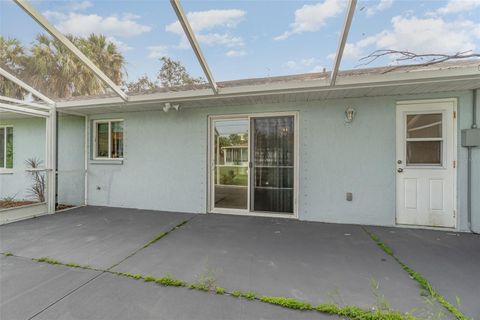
471,137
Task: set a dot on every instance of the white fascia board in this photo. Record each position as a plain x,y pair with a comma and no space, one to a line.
70,46
22,110
25,86
350,82
24,103
343,40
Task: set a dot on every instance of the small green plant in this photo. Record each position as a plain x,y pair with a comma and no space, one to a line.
47,260
149,279
8,201
250,295
237,293
131,275
8,254
168,280
219,290
381,302
290,303
37,189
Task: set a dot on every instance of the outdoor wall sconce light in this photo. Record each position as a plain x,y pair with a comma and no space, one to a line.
349,115
168,106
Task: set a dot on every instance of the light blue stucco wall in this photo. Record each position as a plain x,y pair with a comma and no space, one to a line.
29,142
165,165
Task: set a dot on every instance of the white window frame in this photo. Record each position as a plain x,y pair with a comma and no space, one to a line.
95,133
4,147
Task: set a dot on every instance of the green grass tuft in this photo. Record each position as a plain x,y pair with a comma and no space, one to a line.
290,303
168,280
149,279
8,254
199,286
219,290
47,260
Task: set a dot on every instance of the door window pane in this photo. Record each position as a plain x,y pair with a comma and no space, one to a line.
424,125
231,163
424,152
273,164
102,140
117,139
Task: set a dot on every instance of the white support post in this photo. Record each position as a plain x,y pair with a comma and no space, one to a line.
182,18
25,86
343,40
29,9
25,103
50,156
22,110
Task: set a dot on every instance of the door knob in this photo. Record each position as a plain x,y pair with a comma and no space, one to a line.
399,170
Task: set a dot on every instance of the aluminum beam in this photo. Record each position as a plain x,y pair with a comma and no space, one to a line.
24,103
343,40
51,157
182,18
22,110
25,86
73,49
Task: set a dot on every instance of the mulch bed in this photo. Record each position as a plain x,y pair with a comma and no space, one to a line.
13,204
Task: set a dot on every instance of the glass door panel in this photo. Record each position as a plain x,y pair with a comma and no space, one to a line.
230,163
273,164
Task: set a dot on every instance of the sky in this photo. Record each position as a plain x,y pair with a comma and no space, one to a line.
248,39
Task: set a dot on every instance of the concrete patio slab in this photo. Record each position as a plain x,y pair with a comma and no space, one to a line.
118,298
449,261
94,236
27,287
310,261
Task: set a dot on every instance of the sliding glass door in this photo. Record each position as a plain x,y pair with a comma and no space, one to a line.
253,164
273,164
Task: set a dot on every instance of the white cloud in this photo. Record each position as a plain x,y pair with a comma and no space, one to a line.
122,46
312,17
380,6
312,64
220,39
82,5
235,53
202,21
206,20
156,52
420,35
456,6
86,24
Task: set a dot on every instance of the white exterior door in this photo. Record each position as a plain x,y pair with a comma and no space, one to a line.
426,163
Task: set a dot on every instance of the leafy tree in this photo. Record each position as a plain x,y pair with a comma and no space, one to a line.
53,70
141,84
12,58
173,73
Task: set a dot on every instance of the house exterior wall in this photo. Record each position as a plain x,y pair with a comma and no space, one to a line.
165,161
29,142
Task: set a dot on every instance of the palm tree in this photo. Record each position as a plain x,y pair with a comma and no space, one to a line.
55,71
12,58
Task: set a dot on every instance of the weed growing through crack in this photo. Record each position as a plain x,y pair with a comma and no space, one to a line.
219,290
289,303
250,295
421,280
8,254
168,280
381,302
149,279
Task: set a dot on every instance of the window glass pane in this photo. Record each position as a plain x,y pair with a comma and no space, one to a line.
230,142
102,140
9,148
424,152
2,147
117,139
424,125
